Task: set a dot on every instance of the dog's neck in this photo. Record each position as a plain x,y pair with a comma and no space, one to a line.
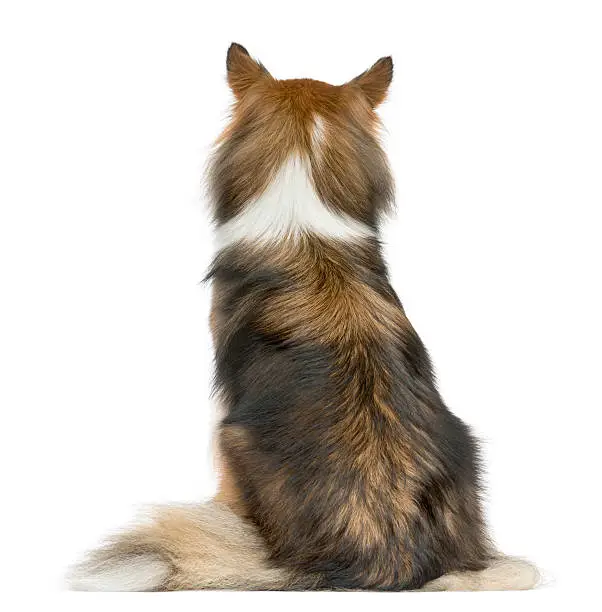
289,208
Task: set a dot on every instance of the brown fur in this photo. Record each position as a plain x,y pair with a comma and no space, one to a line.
228,492
340,465
275,119
326,303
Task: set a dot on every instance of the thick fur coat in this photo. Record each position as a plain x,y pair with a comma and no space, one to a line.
341,466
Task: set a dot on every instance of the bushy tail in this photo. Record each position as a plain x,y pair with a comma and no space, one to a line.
210,547
504,574
182,547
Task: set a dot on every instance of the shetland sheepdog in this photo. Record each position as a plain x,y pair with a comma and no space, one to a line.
341,466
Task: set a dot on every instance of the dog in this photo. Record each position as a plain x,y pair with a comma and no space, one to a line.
341,468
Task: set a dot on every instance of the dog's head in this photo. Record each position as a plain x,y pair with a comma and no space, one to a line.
331,129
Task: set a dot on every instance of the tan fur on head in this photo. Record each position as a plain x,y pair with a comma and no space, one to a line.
274,119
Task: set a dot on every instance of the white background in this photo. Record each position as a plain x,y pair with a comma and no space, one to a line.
108,111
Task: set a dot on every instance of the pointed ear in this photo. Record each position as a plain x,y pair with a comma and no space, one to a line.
243,70
376,80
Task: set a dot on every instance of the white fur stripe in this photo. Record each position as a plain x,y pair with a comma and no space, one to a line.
289,208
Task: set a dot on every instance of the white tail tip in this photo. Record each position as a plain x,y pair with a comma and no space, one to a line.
138,573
